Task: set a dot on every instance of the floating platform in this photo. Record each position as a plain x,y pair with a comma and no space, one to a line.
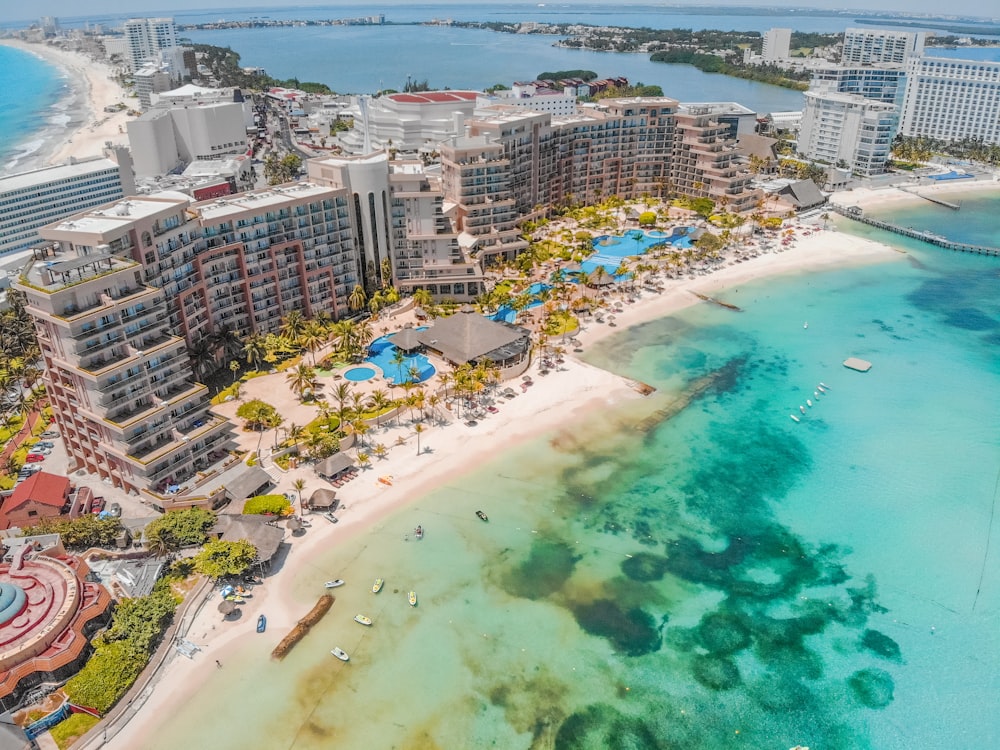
860,365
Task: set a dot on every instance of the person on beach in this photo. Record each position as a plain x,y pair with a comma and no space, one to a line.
218,664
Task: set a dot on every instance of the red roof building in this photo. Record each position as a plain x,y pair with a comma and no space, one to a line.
42,495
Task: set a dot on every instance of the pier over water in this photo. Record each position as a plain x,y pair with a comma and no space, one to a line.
856,214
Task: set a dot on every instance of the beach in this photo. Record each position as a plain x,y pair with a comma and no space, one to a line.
86,127
552,405
887,197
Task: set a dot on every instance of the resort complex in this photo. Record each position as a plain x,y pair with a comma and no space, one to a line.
484,413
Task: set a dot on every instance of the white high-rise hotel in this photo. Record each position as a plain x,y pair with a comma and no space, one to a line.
952,99
147,37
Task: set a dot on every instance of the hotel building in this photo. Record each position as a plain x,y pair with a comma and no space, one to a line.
776,45
846,129
146,38
119,381
952,99
881,46
31,200
882,83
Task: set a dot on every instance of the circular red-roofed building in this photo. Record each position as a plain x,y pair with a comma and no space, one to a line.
48,614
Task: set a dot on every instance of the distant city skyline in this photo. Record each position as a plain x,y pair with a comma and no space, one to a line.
71,8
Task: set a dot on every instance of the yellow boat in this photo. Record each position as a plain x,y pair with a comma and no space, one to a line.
412,598
377,586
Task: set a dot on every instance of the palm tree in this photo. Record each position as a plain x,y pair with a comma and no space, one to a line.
418,428
398,358
301,379
292,325
422,297
294,433
359,427
380,451
378,402
298,485
364,460
234,367
312,337
202,357
357,298
225,340
342,394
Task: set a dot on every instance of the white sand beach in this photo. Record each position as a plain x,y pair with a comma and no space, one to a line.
550,403
869,198
90,127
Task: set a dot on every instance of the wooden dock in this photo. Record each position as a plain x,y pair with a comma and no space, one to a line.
932,199
856,213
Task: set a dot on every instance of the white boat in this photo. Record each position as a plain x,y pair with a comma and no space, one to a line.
802,408
809,403
794,418
412,598
363,619
825,385
806,324
334,584
816,395
821,389
339,653
377,586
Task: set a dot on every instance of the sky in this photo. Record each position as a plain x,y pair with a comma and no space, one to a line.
10,11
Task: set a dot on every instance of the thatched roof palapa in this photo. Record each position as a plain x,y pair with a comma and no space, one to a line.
333,465
323,498
467,336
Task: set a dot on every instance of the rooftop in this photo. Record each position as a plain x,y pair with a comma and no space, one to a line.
55,174
435,97
219,208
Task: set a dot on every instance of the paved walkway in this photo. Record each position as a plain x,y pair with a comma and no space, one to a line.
23,434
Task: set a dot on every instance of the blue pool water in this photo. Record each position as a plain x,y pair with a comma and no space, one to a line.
507,314
359,374
609,250
381,352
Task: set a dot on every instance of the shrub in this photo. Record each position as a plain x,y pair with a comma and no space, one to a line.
68,731
275,505
181,528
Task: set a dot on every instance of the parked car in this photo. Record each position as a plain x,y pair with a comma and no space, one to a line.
34,458
49,435
39,451
97,505
115,510
44,444
27,470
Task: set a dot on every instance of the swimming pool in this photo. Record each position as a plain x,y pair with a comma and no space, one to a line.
610,250
359,374
415,368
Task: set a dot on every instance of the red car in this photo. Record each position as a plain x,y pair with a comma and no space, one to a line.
97,505
33,458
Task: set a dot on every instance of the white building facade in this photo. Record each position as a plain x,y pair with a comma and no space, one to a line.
848,131
777,45
31,200
146,37
879,46
952,99
163,139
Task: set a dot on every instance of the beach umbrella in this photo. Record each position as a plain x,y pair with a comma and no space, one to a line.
227,607
293,524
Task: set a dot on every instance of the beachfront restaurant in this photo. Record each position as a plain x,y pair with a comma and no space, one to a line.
468,337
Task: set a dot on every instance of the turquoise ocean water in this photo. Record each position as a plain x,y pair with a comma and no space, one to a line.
693,570
33,107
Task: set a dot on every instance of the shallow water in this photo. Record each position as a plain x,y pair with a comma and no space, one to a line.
695,570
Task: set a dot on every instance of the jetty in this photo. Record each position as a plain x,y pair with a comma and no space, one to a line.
720,303
856,214
932,199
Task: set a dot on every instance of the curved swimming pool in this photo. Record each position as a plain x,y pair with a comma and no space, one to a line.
359,374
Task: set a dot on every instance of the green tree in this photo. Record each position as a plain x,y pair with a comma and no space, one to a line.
89,530
273,505
219,559
357,298
179,528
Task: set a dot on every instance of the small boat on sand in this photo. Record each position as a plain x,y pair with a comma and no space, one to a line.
386,480
339,653
261,624
419,532
412,598
482,516
377,586
334,584
363,619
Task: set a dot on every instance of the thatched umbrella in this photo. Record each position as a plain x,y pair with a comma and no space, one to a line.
227,607
293,524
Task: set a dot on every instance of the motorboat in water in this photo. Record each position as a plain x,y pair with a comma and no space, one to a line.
794,418
802,408
482,516
825,385
419,532
412,598
339,653
809,403
261,624
334,584
377,586
363,619
821,389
